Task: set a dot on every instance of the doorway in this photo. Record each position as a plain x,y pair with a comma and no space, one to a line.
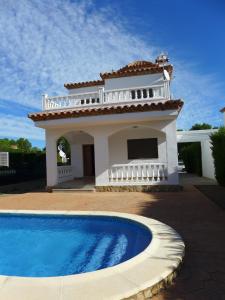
88,160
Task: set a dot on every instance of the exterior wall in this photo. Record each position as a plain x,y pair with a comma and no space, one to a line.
123,83
90,89
208,169
202,136
77,160
118,145
172,152
133,81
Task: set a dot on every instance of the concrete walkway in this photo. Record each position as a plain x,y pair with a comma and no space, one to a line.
198,220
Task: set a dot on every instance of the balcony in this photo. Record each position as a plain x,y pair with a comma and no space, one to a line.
101,97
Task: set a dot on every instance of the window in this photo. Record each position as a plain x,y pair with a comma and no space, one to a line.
142,148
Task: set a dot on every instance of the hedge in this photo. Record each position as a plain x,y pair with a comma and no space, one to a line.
218,153
192,158
22,167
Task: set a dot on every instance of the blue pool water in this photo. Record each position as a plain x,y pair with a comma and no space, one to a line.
51,245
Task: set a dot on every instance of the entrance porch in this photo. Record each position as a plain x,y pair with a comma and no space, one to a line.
132,155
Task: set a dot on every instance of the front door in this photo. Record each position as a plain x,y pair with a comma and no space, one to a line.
89,160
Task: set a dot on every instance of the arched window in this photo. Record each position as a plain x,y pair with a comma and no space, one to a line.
63,152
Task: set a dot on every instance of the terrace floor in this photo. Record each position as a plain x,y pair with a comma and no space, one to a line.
200,222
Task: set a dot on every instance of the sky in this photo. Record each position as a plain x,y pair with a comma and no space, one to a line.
45,44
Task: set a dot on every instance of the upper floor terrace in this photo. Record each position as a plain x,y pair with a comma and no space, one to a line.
137,82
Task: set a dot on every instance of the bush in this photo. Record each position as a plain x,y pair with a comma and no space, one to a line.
218,153
192,158
23,166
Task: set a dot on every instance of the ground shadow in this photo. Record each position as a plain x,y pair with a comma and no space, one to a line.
201,224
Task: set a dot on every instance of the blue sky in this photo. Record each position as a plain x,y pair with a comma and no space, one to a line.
47,43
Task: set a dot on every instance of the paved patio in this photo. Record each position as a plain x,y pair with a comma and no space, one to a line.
199,221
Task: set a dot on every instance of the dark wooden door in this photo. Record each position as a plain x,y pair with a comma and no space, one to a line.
89,160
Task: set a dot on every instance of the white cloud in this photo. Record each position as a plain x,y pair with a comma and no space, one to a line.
47,43
16,127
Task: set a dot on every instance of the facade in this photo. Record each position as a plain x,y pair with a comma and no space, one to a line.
121,128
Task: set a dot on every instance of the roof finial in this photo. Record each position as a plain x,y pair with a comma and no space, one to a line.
162,60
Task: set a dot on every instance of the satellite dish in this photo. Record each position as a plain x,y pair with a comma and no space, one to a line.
166,75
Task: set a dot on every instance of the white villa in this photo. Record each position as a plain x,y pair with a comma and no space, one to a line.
121,128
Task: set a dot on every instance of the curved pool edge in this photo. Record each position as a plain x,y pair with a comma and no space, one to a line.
133,279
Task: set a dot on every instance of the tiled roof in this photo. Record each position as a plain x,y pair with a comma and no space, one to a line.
223,109
106,110
83,84
135,68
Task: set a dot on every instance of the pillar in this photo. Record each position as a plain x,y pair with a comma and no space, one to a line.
172,153
101,159
51,159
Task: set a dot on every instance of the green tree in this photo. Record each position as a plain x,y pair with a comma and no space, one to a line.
24,145
200,126
218,152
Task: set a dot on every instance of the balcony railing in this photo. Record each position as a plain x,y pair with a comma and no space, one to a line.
141,173
151,93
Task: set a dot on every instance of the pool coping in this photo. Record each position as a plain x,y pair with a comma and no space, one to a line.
132,279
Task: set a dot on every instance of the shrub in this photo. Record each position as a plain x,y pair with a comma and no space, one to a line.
218,153
22,167
191,155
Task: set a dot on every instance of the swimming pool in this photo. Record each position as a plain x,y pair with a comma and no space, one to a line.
143,263
57,245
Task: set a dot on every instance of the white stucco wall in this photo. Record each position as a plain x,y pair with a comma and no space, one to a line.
118,145
202,136
133,81
123,83
90,89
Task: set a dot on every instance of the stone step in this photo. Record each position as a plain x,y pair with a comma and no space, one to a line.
55,190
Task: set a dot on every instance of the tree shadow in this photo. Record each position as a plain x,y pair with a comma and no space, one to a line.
191,217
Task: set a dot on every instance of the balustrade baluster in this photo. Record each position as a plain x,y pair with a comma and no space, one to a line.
158,173
147,172
153,172
142,172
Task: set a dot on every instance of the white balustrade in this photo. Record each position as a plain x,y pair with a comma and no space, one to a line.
135,94
65,173
151,93
142,173
75,100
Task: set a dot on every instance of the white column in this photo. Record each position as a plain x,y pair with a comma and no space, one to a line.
172,154
101,159
208,169
51,159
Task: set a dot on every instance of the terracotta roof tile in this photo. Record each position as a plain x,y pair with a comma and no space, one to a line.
105,110
83,84
135,68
